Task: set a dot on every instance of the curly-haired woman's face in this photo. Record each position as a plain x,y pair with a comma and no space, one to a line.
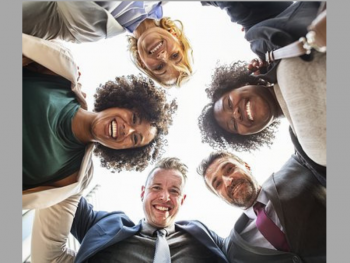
246,110
159,52
120,128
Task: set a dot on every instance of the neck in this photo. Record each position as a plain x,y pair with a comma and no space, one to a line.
144,26
279,112
254,200
81,125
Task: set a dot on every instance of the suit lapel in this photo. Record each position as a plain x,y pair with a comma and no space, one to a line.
242,244
202,234
97,239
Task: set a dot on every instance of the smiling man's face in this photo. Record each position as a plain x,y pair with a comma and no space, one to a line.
162,197
232,181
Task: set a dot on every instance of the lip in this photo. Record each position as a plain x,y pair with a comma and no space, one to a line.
154,45
162,205
109,129
236,189
243,109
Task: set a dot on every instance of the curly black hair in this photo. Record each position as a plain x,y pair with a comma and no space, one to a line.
225,79
140,94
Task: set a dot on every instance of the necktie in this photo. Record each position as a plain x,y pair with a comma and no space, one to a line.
162,253
269,229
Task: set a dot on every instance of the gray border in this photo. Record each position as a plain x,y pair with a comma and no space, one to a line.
11,131
338,231
338,92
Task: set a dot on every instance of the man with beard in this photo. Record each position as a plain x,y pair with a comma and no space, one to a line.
284,220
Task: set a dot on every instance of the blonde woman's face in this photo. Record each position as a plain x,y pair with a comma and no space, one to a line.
160,51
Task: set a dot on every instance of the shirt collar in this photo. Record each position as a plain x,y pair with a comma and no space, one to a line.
262,198
150,230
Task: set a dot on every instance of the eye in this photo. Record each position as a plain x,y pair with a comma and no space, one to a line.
175,191
175,55
229,103
156,188
135,139
229,169
159,67
217,185
233,124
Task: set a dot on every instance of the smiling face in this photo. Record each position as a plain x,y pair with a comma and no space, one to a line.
246,110
159,52
120,128
232,181
162,197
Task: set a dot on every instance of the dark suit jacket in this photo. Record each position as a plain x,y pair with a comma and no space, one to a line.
98,230
271,25
300,203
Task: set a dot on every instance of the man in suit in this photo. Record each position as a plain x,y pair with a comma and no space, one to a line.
113,237
293,198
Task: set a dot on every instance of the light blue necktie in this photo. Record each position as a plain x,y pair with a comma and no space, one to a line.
162,253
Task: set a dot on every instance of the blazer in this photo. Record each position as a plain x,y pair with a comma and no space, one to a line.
98,230
271,25
58,59
300,203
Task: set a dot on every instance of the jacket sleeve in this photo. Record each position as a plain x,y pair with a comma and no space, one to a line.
85,218
247,14
50,232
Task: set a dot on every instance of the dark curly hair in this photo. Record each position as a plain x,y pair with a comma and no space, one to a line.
137,93
225,79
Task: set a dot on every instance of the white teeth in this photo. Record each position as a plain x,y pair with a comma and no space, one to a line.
113,129
162,208
157,47
249,112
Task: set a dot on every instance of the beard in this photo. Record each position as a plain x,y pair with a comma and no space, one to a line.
242,192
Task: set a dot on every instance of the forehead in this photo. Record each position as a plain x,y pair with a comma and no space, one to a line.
217,165
165,176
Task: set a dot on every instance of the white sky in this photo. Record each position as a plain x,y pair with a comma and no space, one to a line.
214,39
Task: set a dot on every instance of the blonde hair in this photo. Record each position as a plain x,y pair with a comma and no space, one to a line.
184,67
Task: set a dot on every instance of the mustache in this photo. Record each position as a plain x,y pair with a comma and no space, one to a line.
234,184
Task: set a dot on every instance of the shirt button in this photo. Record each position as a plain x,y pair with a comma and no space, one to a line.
296,259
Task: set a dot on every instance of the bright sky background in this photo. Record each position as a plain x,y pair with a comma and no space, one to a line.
215,39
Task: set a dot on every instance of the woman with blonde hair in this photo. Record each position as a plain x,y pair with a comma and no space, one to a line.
159,47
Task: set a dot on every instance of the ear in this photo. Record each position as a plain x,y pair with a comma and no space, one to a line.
142,192
247,166
183,199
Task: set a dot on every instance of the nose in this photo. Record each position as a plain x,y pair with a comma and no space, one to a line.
164,195
237,114
227,180
162,55
127,129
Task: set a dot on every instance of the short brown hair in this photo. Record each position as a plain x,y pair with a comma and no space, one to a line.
171,163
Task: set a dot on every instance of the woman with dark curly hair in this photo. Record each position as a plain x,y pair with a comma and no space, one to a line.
126,129
238,135
299,83
244,110
158,45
